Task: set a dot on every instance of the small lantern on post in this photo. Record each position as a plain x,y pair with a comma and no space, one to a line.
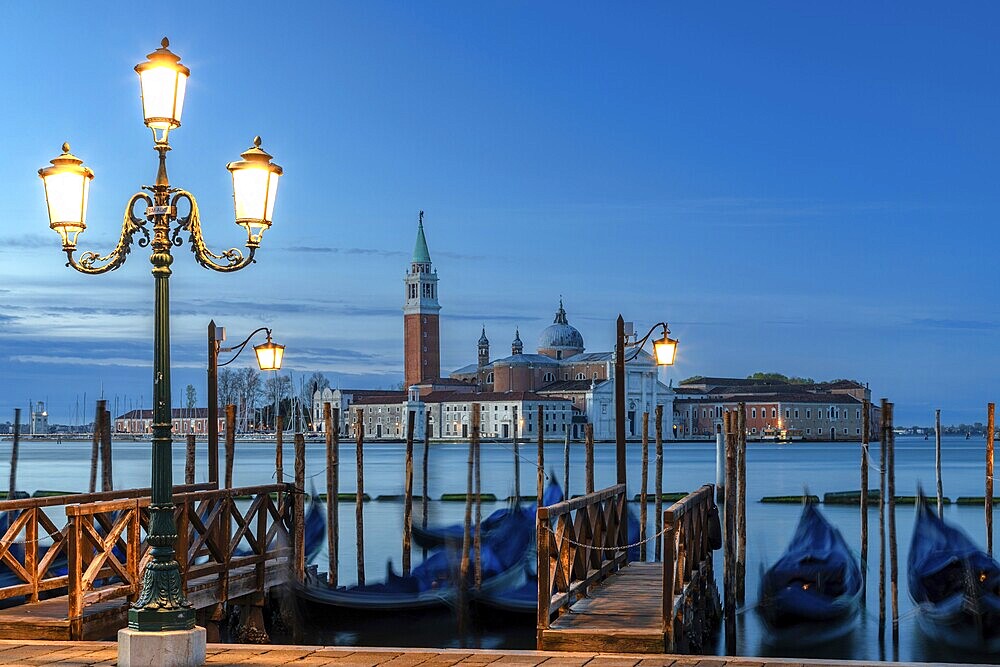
269,354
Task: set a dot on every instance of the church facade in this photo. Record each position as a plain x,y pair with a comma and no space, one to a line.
571,386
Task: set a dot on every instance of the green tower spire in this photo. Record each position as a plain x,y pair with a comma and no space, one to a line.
420,253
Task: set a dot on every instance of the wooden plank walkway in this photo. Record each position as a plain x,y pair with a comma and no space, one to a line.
623,614
104,654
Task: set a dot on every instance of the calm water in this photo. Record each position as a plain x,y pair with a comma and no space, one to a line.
771,470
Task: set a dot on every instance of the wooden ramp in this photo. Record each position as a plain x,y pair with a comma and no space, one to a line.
590,598
623,614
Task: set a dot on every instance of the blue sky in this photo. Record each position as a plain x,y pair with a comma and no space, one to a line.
797,187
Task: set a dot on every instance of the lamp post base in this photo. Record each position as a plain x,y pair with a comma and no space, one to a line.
176,648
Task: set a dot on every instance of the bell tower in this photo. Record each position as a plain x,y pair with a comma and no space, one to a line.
422,346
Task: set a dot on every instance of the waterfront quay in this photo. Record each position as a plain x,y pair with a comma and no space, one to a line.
104,654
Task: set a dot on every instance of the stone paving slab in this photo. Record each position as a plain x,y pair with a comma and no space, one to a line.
104,654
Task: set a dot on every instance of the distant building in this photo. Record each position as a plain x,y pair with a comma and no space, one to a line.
818,411
39,419
183,421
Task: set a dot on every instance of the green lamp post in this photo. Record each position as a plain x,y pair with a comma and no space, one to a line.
161,604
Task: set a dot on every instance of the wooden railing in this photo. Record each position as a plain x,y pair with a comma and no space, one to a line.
690,597
580,543
103,540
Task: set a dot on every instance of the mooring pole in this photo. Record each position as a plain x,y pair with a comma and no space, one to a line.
477,491
541,455
95,450
566,463
331,428
408,493
937,463
14,453
230,443
893,561
741,503
865,430
279,446
189,459
644,484
729,557
423,482
720,465
359,496
588,444
881,518
300,506
990,431
658,484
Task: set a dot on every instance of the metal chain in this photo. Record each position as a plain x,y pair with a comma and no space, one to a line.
619,548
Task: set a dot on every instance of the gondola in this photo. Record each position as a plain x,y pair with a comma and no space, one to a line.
432,583
954,584
433,537
812,594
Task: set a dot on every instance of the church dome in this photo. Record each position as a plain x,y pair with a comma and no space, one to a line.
560,339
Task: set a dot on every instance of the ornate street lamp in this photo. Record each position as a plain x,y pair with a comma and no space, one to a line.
664,353
161,604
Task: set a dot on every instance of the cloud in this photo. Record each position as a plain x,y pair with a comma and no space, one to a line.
956,324
378,252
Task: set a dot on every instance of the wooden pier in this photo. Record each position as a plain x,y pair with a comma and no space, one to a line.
79,558
104,654
590,598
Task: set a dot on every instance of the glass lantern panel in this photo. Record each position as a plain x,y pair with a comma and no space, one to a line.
665,351
272,193
66,194
162,97
250,188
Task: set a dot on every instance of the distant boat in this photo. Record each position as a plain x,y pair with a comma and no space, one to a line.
812,594
954,583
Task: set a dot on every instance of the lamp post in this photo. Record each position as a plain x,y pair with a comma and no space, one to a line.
269,356
161,605
664,353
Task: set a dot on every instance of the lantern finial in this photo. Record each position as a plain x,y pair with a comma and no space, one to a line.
256,141
164,42
65,147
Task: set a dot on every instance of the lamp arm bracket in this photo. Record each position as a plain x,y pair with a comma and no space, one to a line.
231,260
639,343
239,348
93,263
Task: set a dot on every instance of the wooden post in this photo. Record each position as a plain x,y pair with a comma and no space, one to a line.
937,463
658,482
213,405
300,507
15,446
427,447
107,477
588,433
881,518
359,497
990,430
741,500
408,493
189,459
541,455
279,454
96,443
865,431
893,562
566,463
517,467
230,443
331,426
729,556
643,485
463,568
477,490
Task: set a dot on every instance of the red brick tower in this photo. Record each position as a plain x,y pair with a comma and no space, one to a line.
422,343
